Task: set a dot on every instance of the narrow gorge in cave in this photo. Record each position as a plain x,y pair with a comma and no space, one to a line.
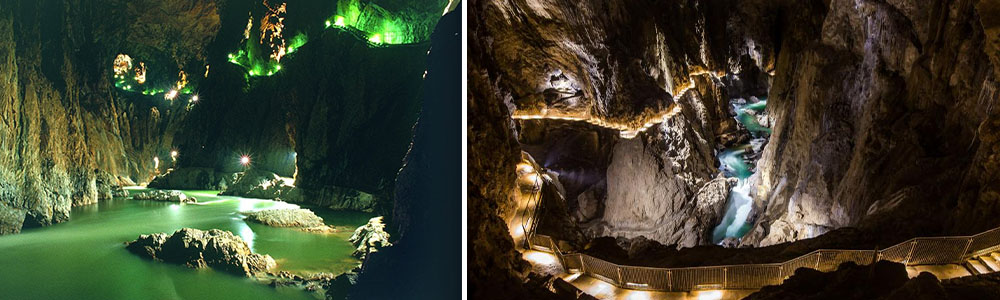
725,149
230,149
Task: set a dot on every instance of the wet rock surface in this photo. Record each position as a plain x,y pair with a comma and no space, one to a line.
322,285
217,249
369,238
290,217
165,196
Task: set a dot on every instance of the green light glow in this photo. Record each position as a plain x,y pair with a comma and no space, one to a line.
390,28
327,23
256,60
376,39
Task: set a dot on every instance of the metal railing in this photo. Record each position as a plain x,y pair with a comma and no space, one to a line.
528,220
916,251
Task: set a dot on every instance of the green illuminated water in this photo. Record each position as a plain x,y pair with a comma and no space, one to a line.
85,258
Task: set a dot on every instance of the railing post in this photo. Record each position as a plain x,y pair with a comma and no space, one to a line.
583,266
818,255
670,281
725,277
621,283
966,252
913,244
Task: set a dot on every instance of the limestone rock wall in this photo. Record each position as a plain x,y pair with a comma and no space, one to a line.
878,119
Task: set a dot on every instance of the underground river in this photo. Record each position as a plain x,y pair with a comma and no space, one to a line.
733,164
85,258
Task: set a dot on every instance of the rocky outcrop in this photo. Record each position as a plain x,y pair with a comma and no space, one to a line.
322,285
290,217
165,196
217,249
424,208
369,238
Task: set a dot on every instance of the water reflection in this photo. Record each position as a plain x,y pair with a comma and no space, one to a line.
245,233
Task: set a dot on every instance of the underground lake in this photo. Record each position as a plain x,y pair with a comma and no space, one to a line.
85,258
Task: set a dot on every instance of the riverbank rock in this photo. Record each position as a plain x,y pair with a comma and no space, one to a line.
165,196
217,249
370,237
290,217
118,192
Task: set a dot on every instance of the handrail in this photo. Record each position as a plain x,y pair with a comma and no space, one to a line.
528,224
915,251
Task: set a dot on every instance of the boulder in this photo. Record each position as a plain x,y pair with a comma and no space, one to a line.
370,237
217,249
290,217
165,196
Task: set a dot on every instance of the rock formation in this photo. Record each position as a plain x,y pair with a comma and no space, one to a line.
369,238
427,204
290,217
165,196
195,248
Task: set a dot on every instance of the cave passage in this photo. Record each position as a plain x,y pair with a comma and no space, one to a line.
84,258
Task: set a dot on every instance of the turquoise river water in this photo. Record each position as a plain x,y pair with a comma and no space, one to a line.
734,222
85,258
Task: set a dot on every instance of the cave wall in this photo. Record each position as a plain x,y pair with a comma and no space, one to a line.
427,210
877,123
67,135
327,118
